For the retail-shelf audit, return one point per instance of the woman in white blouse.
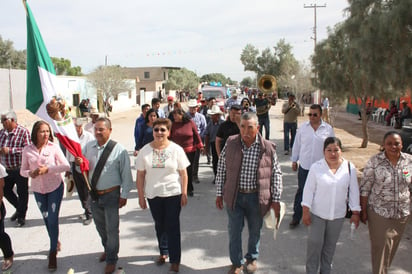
(162, 180)
(330, 182)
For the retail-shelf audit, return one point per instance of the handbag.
(348, 210)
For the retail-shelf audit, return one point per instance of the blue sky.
(203, 36)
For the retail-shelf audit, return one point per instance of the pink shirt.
(50, 156)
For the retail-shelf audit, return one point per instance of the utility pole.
(314, 7)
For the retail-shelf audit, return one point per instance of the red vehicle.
(218, 92)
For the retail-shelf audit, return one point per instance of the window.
(146, 75)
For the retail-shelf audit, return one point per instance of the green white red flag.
(41, 95)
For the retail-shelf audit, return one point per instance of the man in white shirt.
(307, 149)
(78, 178)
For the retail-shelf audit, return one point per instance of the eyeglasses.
(4, 119)
(313, 114)
(161, 129)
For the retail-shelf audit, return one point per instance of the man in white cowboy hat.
(233, 100)
(210, 135)
(94, 115)
(200, 122)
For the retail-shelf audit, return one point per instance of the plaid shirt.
(15, 140)
(248, 172)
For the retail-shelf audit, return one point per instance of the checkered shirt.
(15, 140)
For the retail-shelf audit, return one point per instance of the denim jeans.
(49, 205)
(246, 206)
(20, 200)
(166, 215)
(105, 212)
(289, 128)
(297, 208)
(264, 122)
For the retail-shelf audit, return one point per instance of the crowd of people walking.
(247, 177)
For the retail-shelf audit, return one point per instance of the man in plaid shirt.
(13, 138)
(249, 181)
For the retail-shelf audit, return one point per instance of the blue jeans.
(105, 212)
(246, 206)
(264, 122)
(289, 128)
(297, 208)
(49, 205)
(166, 215)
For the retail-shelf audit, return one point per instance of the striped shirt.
(15, 140)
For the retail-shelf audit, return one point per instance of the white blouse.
(326, 194)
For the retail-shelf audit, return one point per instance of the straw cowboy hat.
(214, 110)
(192, 103)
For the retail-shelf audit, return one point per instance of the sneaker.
(21, 222)
(82, 216)
(286, 152)
(251, 266)
(235, 269)
(293, 224)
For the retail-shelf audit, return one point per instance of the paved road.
(204, 235)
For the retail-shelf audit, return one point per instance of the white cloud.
(203, 36)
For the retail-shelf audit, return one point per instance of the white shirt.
(308, 145)
(3, 172)
(325, 193)
(162, 169)
(89, 127)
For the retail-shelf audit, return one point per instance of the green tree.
(109, 81)
(183, 80)
(64, 67)
(11, 58)
(368, 55)
(248, 82)
(216, 77)
(279, 62)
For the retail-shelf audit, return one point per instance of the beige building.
(150, 79)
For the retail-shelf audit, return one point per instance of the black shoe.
(293, 224)
(190, 193)
(21, 222)
(196, 180)
(14, 217)
(87, 221)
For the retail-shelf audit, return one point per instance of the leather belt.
(105, 191)
(14, 168)
(248, 190)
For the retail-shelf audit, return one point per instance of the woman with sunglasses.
(162, 180)
(184, 133)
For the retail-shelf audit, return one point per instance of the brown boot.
(52, 261)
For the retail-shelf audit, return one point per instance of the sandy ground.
(204, 228)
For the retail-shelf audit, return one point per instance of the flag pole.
(25, 7)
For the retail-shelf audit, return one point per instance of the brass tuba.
(267, 83)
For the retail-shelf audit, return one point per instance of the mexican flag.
(42, 98)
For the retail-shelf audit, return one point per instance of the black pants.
(20, 200)
(189, 170)
(82, 190)
(215, 158)
(5, 242)
(195, 164)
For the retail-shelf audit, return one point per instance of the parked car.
(218, 92)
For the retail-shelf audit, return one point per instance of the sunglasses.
(161, 129)
(313, 114)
